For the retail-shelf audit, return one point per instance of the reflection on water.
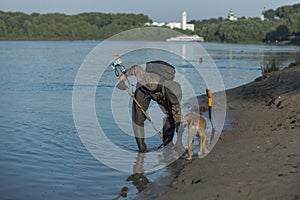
(138, 179)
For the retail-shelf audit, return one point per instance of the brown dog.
(196, 127)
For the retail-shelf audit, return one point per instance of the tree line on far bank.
(57, 26)
(281, 25)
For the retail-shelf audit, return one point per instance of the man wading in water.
(155, 83)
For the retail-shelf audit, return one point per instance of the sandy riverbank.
(260, 158)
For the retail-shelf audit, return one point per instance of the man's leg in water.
(138, 118)
(168, 129)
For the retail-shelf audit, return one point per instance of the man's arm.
(143, 77)
(134, 70)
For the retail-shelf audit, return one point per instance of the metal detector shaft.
(143, 111)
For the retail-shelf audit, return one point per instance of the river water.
(42, 154)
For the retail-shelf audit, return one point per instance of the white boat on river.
(186, 38)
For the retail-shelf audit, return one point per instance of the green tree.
(280, 34)
(293, 23)
(269, 14)
(3, 29)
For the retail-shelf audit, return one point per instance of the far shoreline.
(107, 39)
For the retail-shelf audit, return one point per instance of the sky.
(157, 10)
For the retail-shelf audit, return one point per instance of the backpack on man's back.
(161, 68)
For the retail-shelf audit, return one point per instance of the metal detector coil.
(118, 67)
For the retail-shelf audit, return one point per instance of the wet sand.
(259, 158)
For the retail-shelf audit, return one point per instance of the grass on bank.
(271, 65)
(276, 64)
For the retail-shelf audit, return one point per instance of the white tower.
(262, 17)
(184, 20)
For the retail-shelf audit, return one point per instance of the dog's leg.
(200, 146)
(190, 150)
(200, 135)
(204, 144)
(190, 143)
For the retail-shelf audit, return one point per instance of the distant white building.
(232, 16)
(183, 25)
(173, 25)
(262, 17)
(190, 27)
(158, 24)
